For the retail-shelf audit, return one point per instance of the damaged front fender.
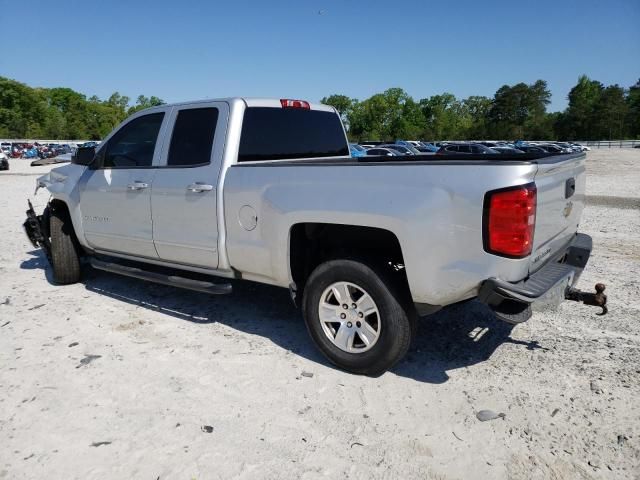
(54, 181)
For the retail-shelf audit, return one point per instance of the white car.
(4, 161)
(583, 147)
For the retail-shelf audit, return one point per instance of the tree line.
(27, 112)
(594, 112)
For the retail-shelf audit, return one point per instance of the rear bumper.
(511, 301)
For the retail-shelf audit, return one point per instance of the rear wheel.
(65, 257)
(356, 316)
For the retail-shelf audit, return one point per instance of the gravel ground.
(117, 378)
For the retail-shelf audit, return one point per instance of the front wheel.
(65, 251)
(356, 317)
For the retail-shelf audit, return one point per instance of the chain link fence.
(610, 143)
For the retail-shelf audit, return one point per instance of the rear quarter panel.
(433, 208)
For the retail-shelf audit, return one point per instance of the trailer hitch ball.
(598, 299)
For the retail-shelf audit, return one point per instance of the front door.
(184, 192)
(115, 195)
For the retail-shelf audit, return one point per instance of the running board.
(172, 280)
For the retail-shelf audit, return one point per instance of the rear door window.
(286, 133)
(192, 138)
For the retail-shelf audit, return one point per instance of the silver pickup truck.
(265, 190)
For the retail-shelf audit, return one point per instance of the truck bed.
(459, 159)
(433, 205)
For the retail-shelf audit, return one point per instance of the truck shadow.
(38, 261)
(456, 337)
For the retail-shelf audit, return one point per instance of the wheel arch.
(311, 243)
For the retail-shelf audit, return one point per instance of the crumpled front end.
(37, 229)
(62, 183)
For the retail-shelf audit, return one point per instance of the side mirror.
(84, 156)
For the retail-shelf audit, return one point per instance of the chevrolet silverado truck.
(265, 190)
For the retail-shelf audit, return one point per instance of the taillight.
(288, 103)
(509, 221)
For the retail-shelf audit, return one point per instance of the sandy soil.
(115, 378)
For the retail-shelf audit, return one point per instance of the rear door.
(184, 193)
(561, 182)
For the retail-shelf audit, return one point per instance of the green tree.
(341, 103)
(143, 102)
(476, 109)
(390, 115)
(633, 106)
(519, 111)
(611, 113)
(443, 117)
(581, 119)
(22, 110)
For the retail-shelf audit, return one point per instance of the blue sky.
(181, 50)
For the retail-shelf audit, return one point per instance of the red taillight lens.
(288, 103)
(510, 218)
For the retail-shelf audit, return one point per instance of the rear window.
(284, 133)
(192, 137)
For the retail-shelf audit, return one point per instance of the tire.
(393, 321)
(65, 258)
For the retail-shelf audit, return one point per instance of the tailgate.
(561, 182)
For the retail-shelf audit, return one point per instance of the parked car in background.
(16, 150)
(582, 148)
(507, 150)
(426, 147)
(64, 148)
(408, 145)
(30, 152)
(566, 147)
(4, 161)
(531, 149)
(554, 148)
(398, 148)
(385, 152)
(465, 148)
(357, 150)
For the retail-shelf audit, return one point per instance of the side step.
(172, 280)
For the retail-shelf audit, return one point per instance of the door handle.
(199, 187)
(137, 186)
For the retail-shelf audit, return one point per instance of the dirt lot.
(115, 378)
